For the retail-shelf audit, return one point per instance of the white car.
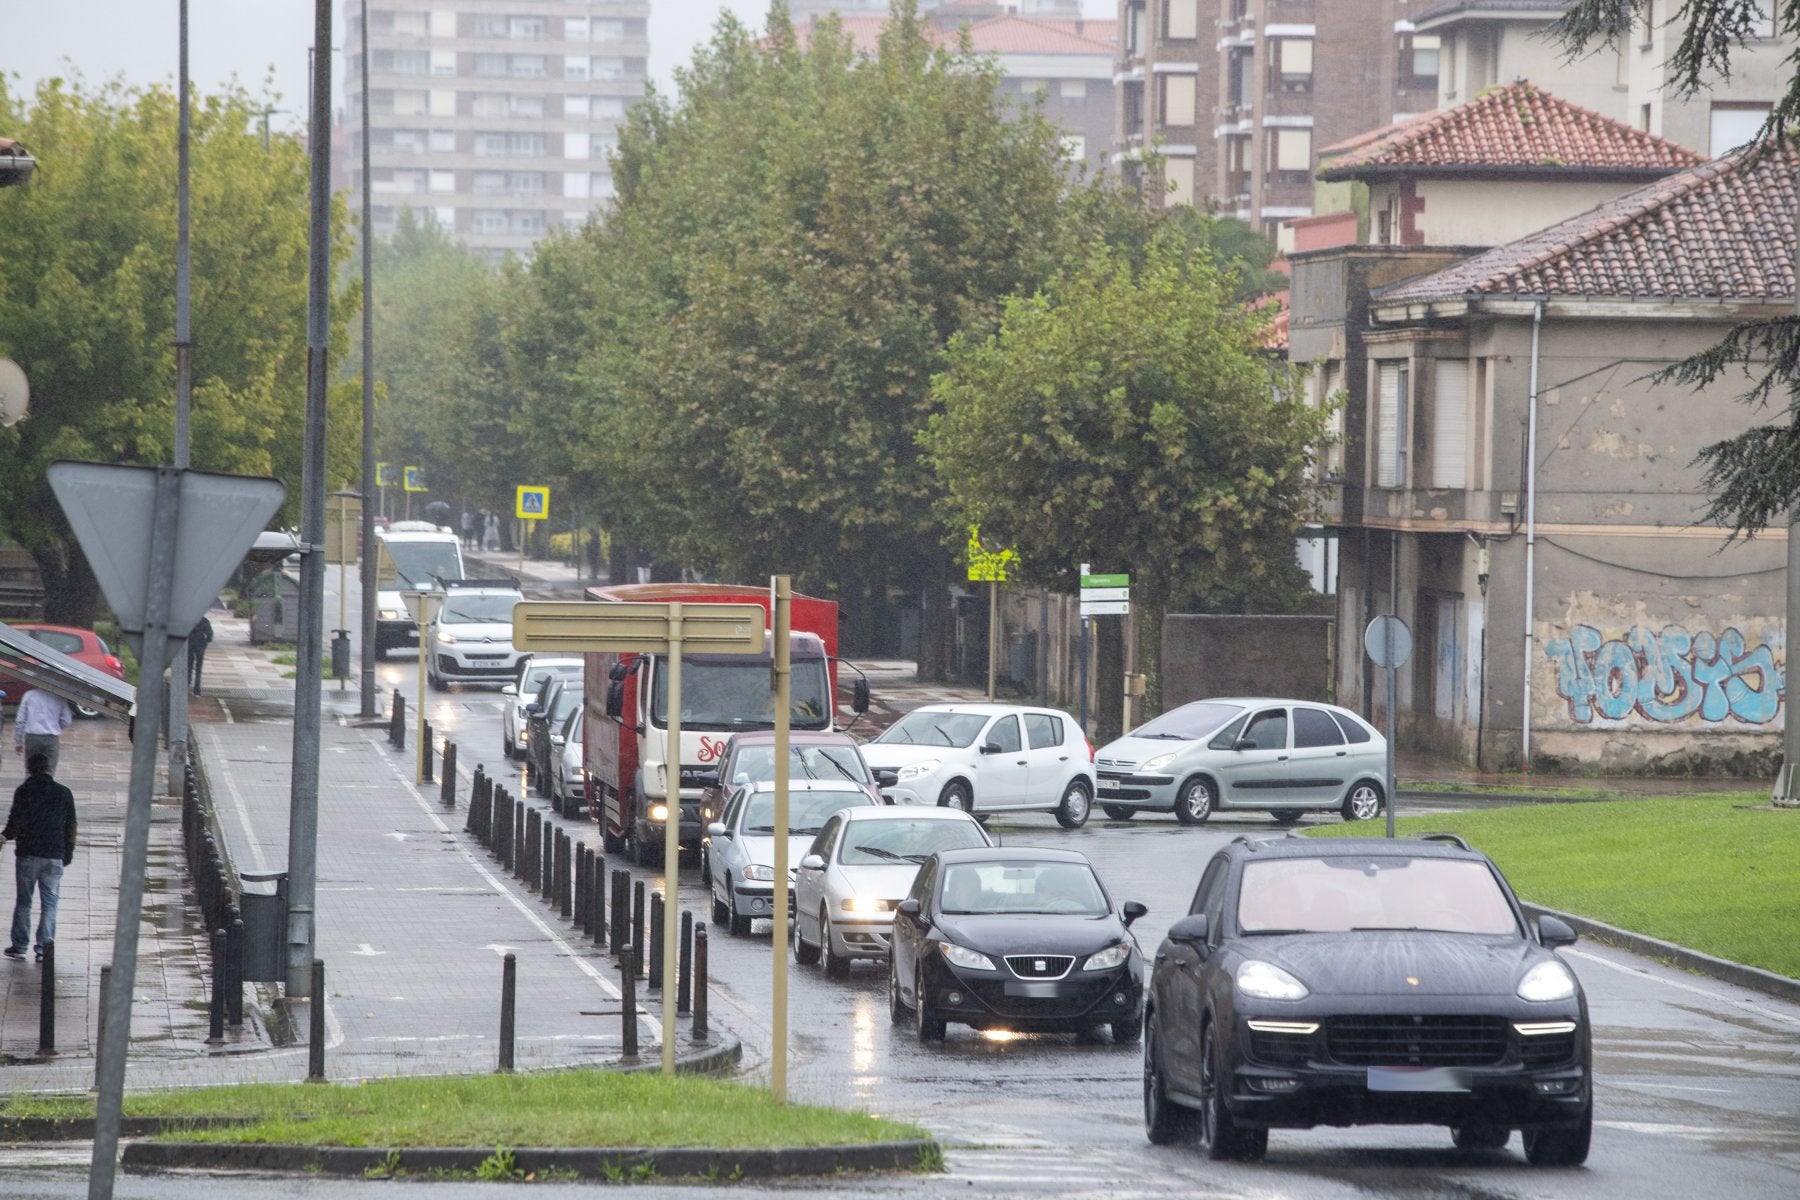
(471, 640)
(740, 845)
(523, 690)
(858, 870)
(985, 758)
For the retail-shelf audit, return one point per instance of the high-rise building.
(495, 116)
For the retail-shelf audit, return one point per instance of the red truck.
(625, 732)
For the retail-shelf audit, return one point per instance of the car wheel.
(1287, 817)
(645, 852)
(1165, 1121)
(1194, 803)
(433, 682)
(836, 965)
(805, 953)
(1363, 803)
(957, 794)
(1218, 1128)
(720, 914)
(1480, 1137)
(1566, 1146)
(86, 713)
(1076, 804)
(611, 842)
(896, 1010)
(926, 1021)
(740, 925)
(1118, 812)
(508, 749)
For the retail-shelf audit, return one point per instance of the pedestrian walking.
(490, 537)
(468, 530)
(42, 823)
(38, 725)
(199, 638)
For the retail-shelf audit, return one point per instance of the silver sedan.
(858, 869)
(740, 846)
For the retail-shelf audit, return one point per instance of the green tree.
(1127, 417)
(87, 303)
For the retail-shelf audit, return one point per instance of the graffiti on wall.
(1666, 675)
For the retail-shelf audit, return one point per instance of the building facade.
(494, 116)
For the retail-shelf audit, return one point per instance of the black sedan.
(1353, 981)
(1014, 939)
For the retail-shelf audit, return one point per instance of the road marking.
(398, 836)
(368, 951)
(1712, 994)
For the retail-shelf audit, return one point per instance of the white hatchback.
(534, 669)
(985, 758)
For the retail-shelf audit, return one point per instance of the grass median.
(560, 1108)
(1718, 873)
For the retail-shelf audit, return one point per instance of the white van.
(413, 555)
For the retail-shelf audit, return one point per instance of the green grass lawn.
(563, 1108)
(1717, 873)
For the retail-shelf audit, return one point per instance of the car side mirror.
(1244, 744)
(812, 862)
(717, 829)
(859, 697)
(1132, 911)
(1554, 932)
(706, 777)
(990, 748)
(1190, 930)
(886, 776)
(615, 699)
(617, 672)
(909, 907)
(557, 739)
(509, 690)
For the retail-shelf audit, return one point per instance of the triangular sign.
(111, 508)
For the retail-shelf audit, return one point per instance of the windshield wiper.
(1275, 932)
(878, 852)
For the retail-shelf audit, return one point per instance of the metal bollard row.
(217, 901)
(447, 793)
(397, 722)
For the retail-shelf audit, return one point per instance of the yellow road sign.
(413, 479)
(985, 565)
(533, 503)
(572, 626)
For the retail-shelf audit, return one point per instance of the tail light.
(1090, 747)
(114, 666)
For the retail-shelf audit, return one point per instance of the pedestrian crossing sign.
(534, 503)
(387, 475)
(413, 479)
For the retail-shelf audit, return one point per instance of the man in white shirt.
(38, 725)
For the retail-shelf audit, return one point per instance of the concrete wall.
(1204, 655)
(1472, 212)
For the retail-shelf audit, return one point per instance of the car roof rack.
(1256, 841)
(504, 581)
(1453, 838)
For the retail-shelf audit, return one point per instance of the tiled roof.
(1720, 231)
(1519, 127)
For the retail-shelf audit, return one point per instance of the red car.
(83, 645)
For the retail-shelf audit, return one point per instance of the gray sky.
(249, 39)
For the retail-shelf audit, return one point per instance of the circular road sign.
(1388, 641)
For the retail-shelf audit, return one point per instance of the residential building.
(496, 116)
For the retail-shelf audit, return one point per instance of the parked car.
(740, 845)
(83, 645)
(563, 697)
(857, 871)
(471, 639)
(986, 758)
(1287, 757)
(749, 757)
(1351, 981)
(1019, 939)
(568, 794)
(534, 670)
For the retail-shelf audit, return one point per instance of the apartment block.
(496, 116)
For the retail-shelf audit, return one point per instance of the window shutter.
(1450, 424)
(1387, 427)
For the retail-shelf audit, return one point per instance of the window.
(409, 141)
(530, 223)
(601, 107)
(1074, 147)
(1181, 19)
(489, 183)
(1390, 425)
(1072, 92)
(1268, 730)
(1355, 732)
(524, 106)
(521, 144)
(1290, 65)
(525, 29)
(443, 181)
(1134, 26)
(411, 24)
(575, 185)
(410, 104)
(527, 66)
(1179, 173)
(443, 141)
(1005, 734)
(489, 104)
(1134, 107)
(1314, 727)
(489, 220)
(575, 68)
(575, 29)
(1178, 99)
(1237, 78)
(1418, 62)
(607, 67)
(1291, 155)
(605, 30)
(410, 62)
(1043, 730)
(489, 25)
(525, 183)
(409, 181)
(1450, 423)
(493, 65)
(443, 63)
(1332, 381)
(1735, 124)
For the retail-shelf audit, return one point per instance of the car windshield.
(1189, 723)
(807, 810)
(733, 692)
(1336, 895)
(566, 702)
(419, 564)
(460, 610)
(757, 763)
(884, 843)
(1023, 888)
(924, 728)
(536, 677)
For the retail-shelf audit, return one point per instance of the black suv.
(1354, 981)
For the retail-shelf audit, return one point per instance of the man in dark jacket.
(199, 638)
(42, 822)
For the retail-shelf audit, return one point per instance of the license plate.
(1418, 1079)
(1109, 785)
(1035, 991)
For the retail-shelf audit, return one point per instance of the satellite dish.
(15, 393)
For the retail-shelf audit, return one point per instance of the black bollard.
(597, 897)
(449, 792)
(534, 855)
(547, 862)
(628, 1000)
(621, 912)
(215, 1029)
(477, 787)
(397, 727)
(518, 848)
(47, 1003)
(565, 844)
(315, 1025)
(234, 959)
(656, 940)
(580, 889)
(637, 920)
(100, 1025)
(509, 982)
(700, 982)
(425, 746)
(684, 962)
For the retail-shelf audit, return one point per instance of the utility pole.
(184, 399)
(366, 573)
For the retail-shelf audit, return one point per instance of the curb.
(1754, 978)
(588, 1163)
(81, 1129)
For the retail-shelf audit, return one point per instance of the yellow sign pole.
(783, 697)
(671, 840)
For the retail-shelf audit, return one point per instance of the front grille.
(1040, 966)
(1280, 1049)
(1547, 1050)
(1113, 764)
(1422, 1040)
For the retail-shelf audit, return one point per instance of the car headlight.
(1157, 763)
(1108, 958)
(758, 871)
(866, 904)
(969, 960)
(1547, 981)
(389, 614)
(524, 734)
(1266, 981)
(446, 638)
(919, 770)
(659, 812)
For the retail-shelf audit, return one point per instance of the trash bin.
(262, 901)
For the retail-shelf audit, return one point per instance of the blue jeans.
(45, 876)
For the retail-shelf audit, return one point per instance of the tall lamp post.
(370, 584)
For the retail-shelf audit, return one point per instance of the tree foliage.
(87, 303)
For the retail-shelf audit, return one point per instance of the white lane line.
(1712, 994)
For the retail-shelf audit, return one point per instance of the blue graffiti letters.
(1666, 676)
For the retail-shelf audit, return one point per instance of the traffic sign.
(387, 475)
(986, 565)
(1091, 595)
(414, 480)
(573, 626)
(1388, 641)
(1105, 608)
(533, 503)
(1105, 581)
